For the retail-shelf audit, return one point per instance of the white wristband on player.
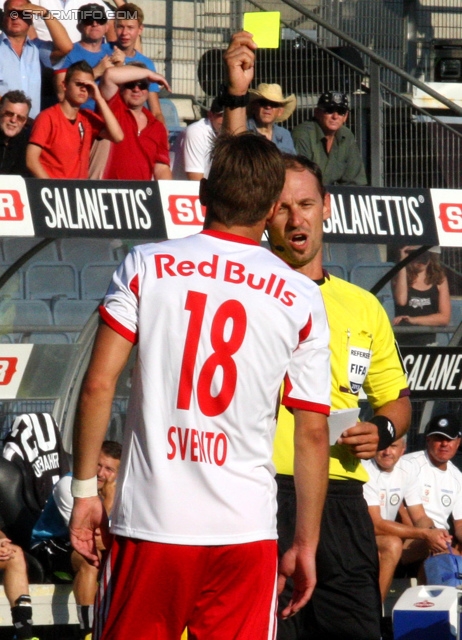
(84, 488)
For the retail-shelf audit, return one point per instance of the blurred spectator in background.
(193, 147)
(68, 12)
(92, 24)
(144, 153)
(20, 57)
(128, 30)
(62, 136)
(326, 141)
(267, 107)
(392, 480)
(16, 585)
(50, 537)
(421, 294)
(14, 134)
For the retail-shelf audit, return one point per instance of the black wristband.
(386, 429)
(230, 101)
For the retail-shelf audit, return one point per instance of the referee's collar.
(321, 281)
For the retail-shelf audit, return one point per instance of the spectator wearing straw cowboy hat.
(268, 106)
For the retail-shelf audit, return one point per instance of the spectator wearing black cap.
(92, 23)
(440, 480)
(329, 143)
(192, 150)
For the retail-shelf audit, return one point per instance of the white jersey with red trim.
(219, 322)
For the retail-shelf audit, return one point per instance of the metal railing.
(402, 144)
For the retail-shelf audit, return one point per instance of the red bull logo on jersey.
(230, 271)
(194, 445)
(11, 206)
(8, 368)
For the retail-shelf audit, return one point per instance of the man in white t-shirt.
(219, 322)
(440, 481)
(193, 147)
(392, 479)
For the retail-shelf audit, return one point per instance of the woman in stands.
(421, 294)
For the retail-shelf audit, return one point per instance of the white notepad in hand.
(339, 421)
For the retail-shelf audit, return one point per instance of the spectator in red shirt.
(144, 152)
(62, 136)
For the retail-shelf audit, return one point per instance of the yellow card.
(265, 27)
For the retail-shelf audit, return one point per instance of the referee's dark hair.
(300, 163)
(246, 178)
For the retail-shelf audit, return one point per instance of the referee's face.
(296, 228)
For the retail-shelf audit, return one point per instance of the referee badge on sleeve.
(359, 360)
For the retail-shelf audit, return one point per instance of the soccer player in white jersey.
(392, 479)
(440, 481)
(219, 322)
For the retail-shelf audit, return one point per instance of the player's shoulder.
(372, 470)
(335, 284)
(455, 471)
(417, 459)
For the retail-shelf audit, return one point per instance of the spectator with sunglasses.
(329, 143)
(129, 28)
(62, 135)
(144, 152)
(267, 107)
(69, 9)
(21, 57)
(92, 25)
(14, 135)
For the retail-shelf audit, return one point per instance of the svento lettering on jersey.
(197, 446)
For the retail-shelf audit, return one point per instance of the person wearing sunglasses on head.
(14, 134)
(268, 106)
(93, 26)
(22, 58)
(144, 152)
(329, 143)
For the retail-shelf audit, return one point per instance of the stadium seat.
(14, 248)
(336, 270)
(73, 313)
(14, 287)
(48, 280)
(456, 311)
(24, 313)
(95, 278)
(368, 273)
(80, 251)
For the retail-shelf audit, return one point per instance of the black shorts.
(346, 602)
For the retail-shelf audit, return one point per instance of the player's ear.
(271, 214)
(203, 192)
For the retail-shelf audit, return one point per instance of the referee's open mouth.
(298, 240)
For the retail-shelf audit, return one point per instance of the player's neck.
(253, 233)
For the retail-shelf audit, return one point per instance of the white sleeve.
(413, 491)
(371, 494)
(120, 307)
(307, 383)
(63, 498)
(197, 147)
